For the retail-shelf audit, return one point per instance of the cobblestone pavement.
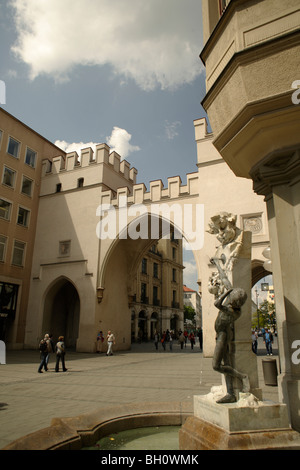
(29, 401)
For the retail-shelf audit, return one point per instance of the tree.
(189, 314)
(266, 316)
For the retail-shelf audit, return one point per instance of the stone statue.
(229, 300)
(224, 227)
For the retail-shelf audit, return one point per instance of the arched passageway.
(62, 311)
(145, 302)
(258, 271)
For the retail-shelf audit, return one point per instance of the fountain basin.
(154, 438)
(85, 430)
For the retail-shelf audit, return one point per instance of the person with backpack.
(60, 354)
(43, 347)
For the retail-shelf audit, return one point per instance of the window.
(65, 248)
(5, 209)
(23, 217)
(80, 182)
(58, 188)
(0, 136)
(155, 295)
(27, 185)
(144, 266)
(3, 241)
(13, 147)
(8, 300)
(174, 303)
(174, 275)
(9, 177)
(144, 293)
(30, 157)
(18, 253)
(155, 270)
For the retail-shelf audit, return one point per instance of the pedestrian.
(268, 340)
(51, 348)
(181, 340)
(100, 339)
(156, 339)
(60, 354)
(43, 347)
(200, 336)
(110, 341)
(254, 341)
(171, 340)
(192, 339)
(163, 340)
(185, 334)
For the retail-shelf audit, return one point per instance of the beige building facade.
(251, 55)
(21, 153)
(191, 298)
(88, 258)
(157, 304)
(95, 227)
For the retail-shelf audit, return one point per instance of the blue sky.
(124, 72)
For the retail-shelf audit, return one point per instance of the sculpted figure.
(229, 235)
(229, 304)
(229, 300)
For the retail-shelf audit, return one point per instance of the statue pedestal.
(244, 425)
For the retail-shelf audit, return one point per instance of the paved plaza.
(29, 401)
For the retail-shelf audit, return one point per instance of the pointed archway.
(62, 311)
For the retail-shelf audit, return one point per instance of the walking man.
(60, 354)
(110, 341)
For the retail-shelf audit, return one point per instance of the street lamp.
(268, 263)
(256, 292)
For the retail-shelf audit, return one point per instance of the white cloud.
(118, 141)
(171, 129)
(156, 43)
(75, 146)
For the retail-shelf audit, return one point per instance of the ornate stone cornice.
(280, 167)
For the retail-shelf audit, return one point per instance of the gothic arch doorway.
(62, 311)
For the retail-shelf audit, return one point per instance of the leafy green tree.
(265, 315)
(189, 314)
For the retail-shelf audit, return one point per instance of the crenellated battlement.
(157, 192)
(91, 167)
(116, 178)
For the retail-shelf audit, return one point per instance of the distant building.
(271, 295)
(191, 298)
(158, 300)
